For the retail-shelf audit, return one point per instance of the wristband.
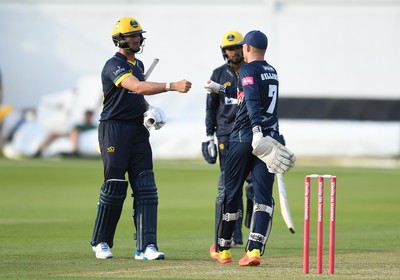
(168, 86)
(256, 129)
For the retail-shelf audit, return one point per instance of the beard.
(236, 60)
(133, 50)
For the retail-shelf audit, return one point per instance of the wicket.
(320, 220)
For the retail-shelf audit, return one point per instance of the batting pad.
(145, 210)
(112, 196)
(260, 227)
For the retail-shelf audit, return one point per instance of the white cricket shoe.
(102, 251)
(150, 253)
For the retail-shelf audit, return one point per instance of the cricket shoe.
(251, 258)
(102, 251)
(223, 256)
(149, 254)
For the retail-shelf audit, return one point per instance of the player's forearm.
(142, 87)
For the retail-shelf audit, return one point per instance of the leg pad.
(145, 210)
(112, 196)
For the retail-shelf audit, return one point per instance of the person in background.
(73, 134)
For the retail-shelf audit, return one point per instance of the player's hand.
(154, 117)
(182, 86)
(277, 157)
(209, 150)
(213, 87)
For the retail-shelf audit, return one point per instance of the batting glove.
(154, 117)
(213, 87)
(209, 150)
(277, 157)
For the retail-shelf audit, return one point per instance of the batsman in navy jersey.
(125, 147)
(256, 128)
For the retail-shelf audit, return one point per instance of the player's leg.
(223, 145)
(218, 210)
(236, 170)
(112, 196)
(113, 190)
(237, 236)
(263, 210)
(249, 202)
(145, 216)
(145, 203)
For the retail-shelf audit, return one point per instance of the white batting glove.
(213, 87)
(277, 157)
(154, 117)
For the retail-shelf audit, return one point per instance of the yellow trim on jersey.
(132, 62)
(118, 82)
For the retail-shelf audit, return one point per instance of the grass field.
(48, 207)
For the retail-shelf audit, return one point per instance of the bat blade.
(285, 211)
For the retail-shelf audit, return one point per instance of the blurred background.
(337, 62)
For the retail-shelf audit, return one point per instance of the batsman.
(125, 147)
(253, 147)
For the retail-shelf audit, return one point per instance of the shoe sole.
(251, 262)
(108, 257)
(161, 257)
(223, 261)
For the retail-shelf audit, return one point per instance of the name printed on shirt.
(269, 76)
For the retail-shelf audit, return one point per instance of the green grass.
(48, 207)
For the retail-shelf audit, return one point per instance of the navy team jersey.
(257, 100)
(120, 103)
(221, 109)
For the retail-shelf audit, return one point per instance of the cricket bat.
(285, 211)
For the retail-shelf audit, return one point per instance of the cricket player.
(253, 147)
(220, 116)
(125, 147)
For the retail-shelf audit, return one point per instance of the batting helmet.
(230, 39)
(126, 27)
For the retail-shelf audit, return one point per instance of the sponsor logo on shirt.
(119, 70)
(247, 81)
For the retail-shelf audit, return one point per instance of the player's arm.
(131, 83)
(212, 103)
(213, 87)
(208, 146)
(277, 157)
